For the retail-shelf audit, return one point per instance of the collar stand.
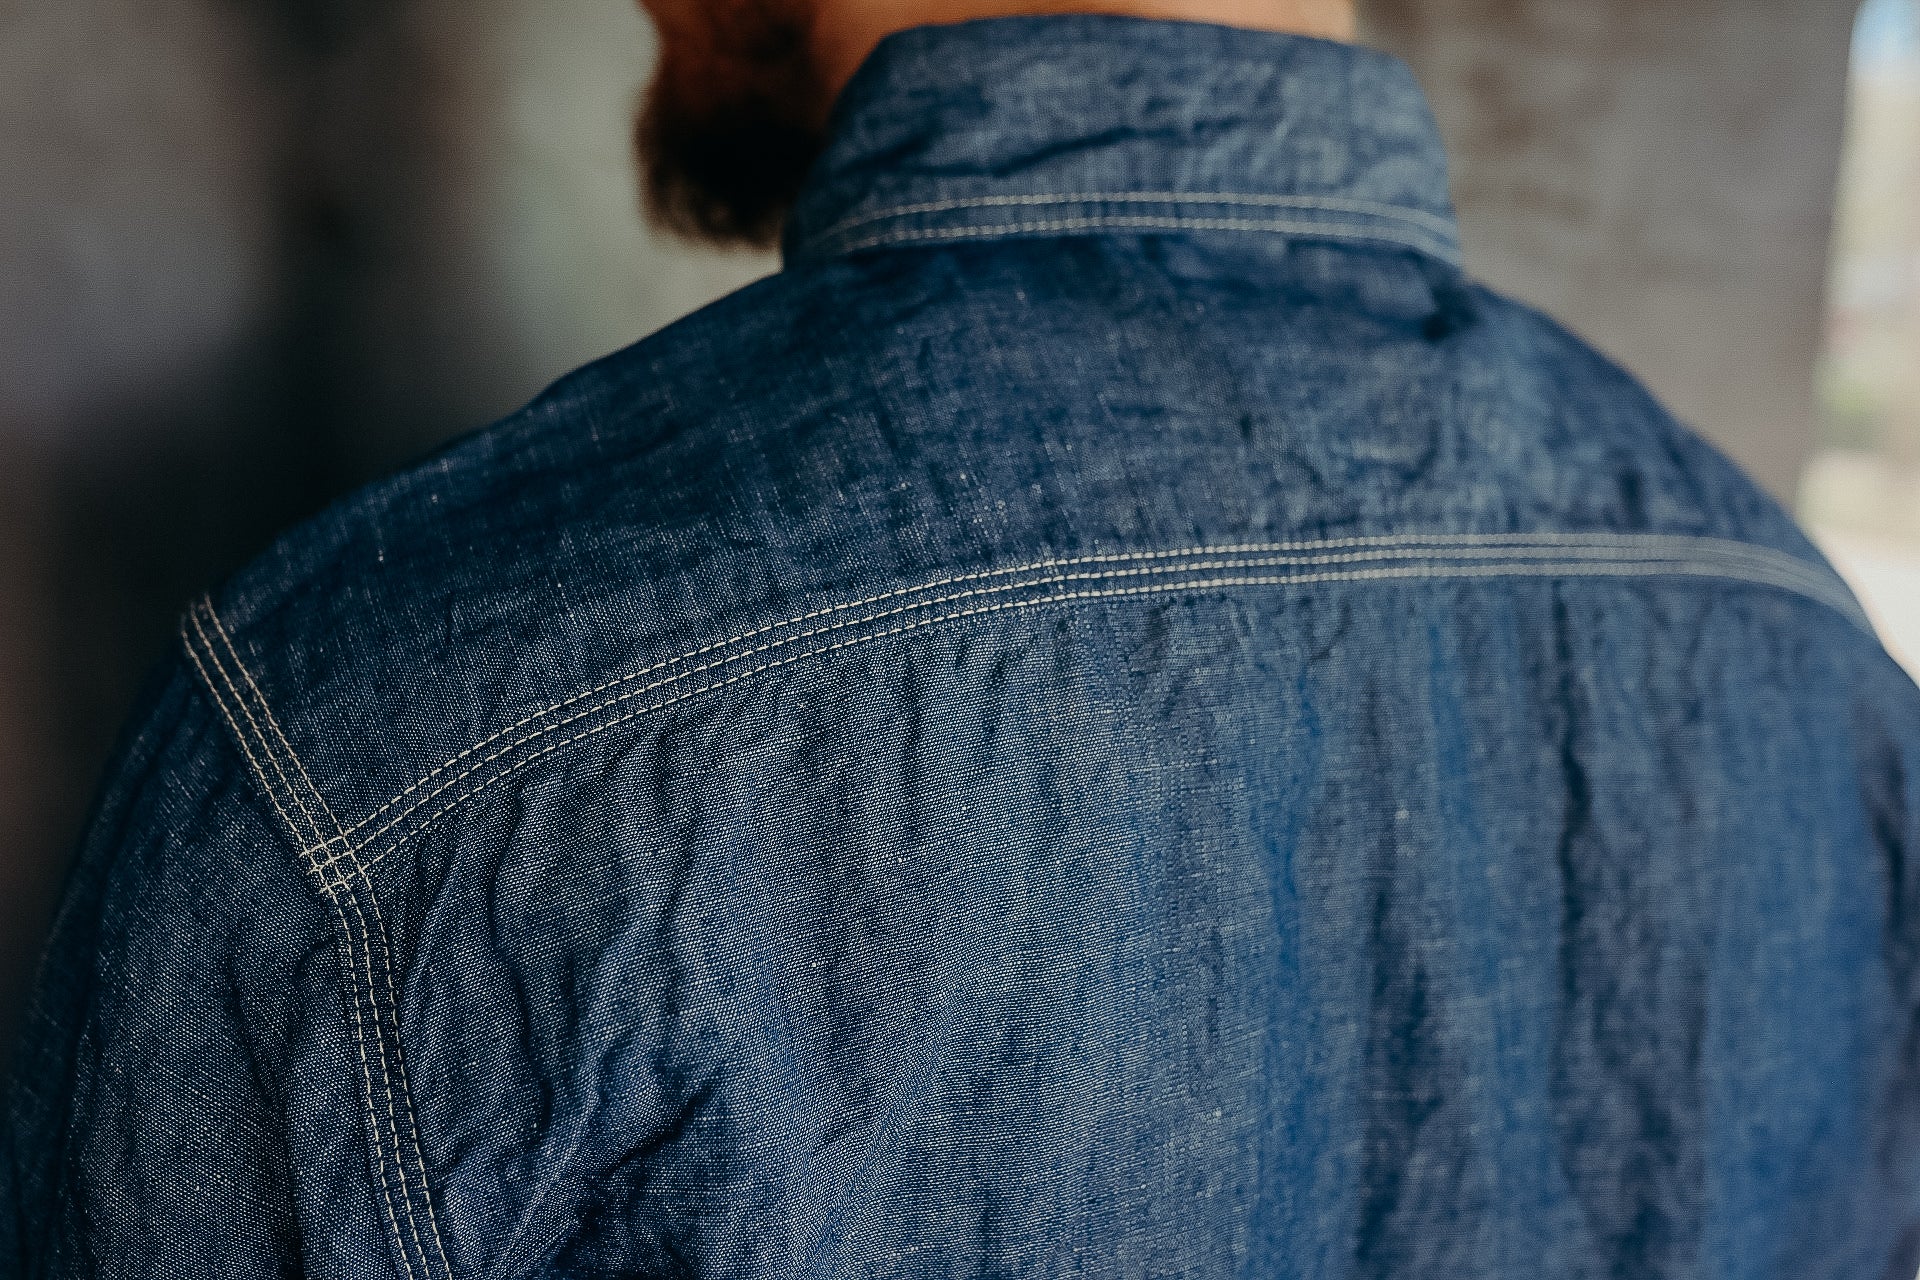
(1089, 124)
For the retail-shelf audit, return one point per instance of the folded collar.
(1091, 124)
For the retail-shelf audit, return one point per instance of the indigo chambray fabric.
(1116, 718)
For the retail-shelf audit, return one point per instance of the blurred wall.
(252, 254)
(1659, 174)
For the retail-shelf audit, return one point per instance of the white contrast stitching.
(246, 743)
(1763, 559)
(266, 708)
(1768, 561)
(1574, 543)
(366, 1068)
(1763, 565)
(1699, 568)
(1126, 222)
(266, 747)
(398, 1065)
(1538, 556)
(246, 749)
(1546, 555)
(364, 942)
(1446, 227)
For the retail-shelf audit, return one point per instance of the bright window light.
(1862, 491)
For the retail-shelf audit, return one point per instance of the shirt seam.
(344, 876)
(369, 1002)
(1425, 558)
(1409, 239)
(1321, 551)
(1445, 227)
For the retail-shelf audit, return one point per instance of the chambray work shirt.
(1118, 717)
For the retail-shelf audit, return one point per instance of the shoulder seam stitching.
(1502, 556)
(1467, 545)
(1192, 569)
(386, 948)
(247, 742)
(357, 944)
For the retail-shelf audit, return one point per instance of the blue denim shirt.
(1118, 717)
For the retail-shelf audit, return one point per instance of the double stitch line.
(1136, 222)
(392, 1011)
(359, 943)
(1696, 558)
(1433, 222)
(1818, 585)
(1428, 232)
(1440, 556)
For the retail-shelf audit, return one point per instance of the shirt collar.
(1088, 124)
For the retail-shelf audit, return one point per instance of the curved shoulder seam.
(350, 852)
(369, 992)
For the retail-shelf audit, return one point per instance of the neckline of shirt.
(1091, 124)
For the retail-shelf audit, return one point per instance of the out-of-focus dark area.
(253, 254)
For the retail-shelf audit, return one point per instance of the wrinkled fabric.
(1118, 717)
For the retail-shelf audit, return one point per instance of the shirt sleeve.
(147, 1110)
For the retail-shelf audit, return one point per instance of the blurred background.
(256, 252)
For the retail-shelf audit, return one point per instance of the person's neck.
(846, 31)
